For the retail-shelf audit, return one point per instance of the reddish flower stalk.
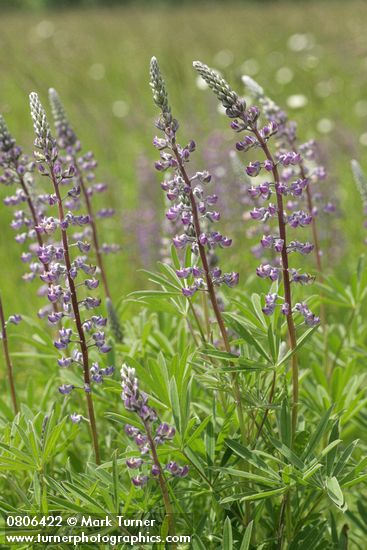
(286, 278)
(8, 361)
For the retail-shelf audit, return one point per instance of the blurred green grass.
(98, 61)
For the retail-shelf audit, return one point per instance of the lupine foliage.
(238, 414)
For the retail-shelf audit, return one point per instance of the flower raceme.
(193, 208)
(85, 188)
(279, 183)
(148, 439)
(306, 173)
(283, 183)
(191, 205)
(79, 335)
(18, 171)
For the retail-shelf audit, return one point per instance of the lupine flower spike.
(247, 120)
(192, 206)
(147, 465)
(84, 185)
(15, 320)
(287, 136)
(63, 270)
(18, 171)
(305, 175)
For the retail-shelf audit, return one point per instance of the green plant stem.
(78, 322)
(197, 321)
(270, 400)
(206, 315)
(211, 291)
(9, 364)
(286, 280)
(162, 482)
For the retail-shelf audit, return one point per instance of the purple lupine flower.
(140, 481)
(76, 418)
(190, 204)
(81, 169)
(147, 439)
(176, 470)
(282, 165)
(134, 463)
(65, 389)
(300, 160)
(15, 319)
(130, 430)
(59, 267)
(310, 318)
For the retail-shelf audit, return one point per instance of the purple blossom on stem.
(82, 168)
(248, 121)
(137, 401)
(192, 207)
(18, 171)
(62, 273)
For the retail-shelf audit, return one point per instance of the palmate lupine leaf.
(285, 451)
(256, 478)
(310, 536)
(188, 440)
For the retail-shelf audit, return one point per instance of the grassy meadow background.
(98, 61)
